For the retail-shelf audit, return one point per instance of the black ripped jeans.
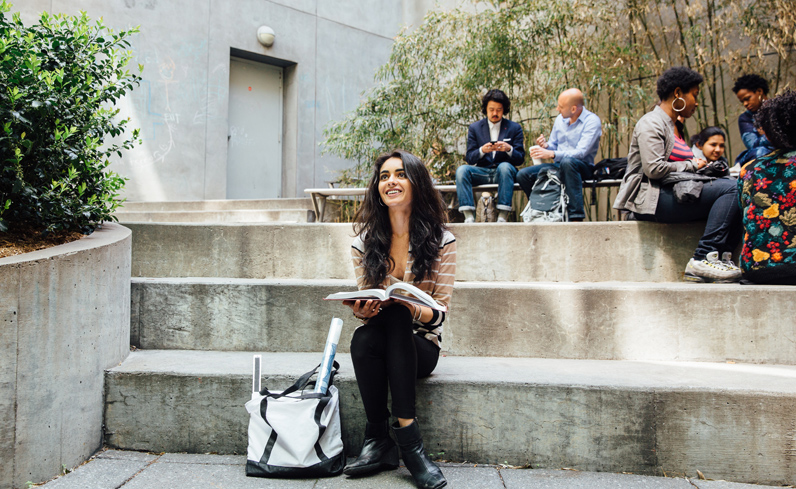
(388, 355)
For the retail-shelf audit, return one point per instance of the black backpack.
(610, 169)
(607, 169)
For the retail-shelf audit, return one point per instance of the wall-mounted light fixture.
(266, 36)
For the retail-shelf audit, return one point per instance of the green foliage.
(59, 81)
(429, 91)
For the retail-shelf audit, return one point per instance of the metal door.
(254, 140)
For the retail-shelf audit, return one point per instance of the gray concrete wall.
(181, 106)
(566, 252)
(64, 319)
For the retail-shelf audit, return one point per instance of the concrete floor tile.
(198, 476)
(571, 479)
(459, 477)
(700, 484)
(126, 455)
(137, 470)
(205, 459)
(99, 473)
(469, 477)
(388, 479)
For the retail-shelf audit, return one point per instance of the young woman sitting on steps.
(400, 236)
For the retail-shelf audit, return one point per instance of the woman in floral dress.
(767, 188)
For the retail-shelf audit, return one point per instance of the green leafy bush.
(59, 82)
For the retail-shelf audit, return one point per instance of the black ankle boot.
(426, 473)
(378, 452)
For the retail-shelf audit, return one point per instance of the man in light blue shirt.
(572, 146)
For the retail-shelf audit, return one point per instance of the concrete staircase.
(580, 348)
(219, 211)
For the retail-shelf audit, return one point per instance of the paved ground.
(113, 469)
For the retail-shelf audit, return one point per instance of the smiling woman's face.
(395, 188)
(713, 148)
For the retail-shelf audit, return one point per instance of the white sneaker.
(711, 269)
(726, 258)
(469, 220)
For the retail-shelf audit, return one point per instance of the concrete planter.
(64, 319)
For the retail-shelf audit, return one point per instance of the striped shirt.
(438, 283)
(681, 151)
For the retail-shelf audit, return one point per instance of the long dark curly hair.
(777, 117)
(426, 224)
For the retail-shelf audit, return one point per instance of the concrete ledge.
(565, 252)
(731, 421)
(603, 321)
(218, 205)
(218, 216)
(64, 319)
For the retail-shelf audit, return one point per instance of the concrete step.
(218, 205)
(218, 216)
(601, 321)
(565, 252)
(732, 421)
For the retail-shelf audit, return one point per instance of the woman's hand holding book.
(366, 309)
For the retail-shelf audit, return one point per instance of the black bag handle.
(302, 383)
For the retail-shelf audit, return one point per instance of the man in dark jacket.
(494, 151)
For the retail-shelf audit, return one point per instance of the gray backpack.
(548, 199)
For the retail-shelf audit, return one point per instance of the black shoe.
(426, 473)
(379, 452)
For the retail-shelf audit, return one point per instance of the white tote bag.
(295, 433)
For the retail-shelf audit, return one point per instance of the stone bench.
(218, 211)
(319, 195)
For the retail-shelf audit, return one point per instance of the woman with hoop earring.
(658, 148)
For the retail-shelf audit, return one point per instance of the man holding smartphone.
(494, 151)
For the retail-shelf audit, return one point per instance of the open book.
(394, 291)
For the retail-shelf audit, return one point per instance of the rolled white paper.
(328, 355)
